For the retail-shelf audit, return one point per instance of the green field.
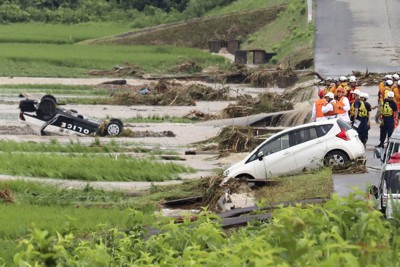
(58, 33)
(73, 60)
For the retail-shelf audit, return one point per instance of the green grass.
(73, 147)
(316, 184)
(246, 5)
(81, 210)
(54, 89)
(88, 167)
(290, 36)
(58, 33)
(50, 60)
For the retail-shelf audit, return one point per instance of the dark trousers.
(386, 128)
(363, 129)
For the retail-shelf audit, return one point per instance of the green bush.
(342, 232)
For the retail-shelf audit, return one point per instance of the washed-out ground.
(186, 135)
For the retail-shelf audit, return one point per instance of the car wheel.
(46, 109)
(114, 128)
(118, 121)
(244, 177)
(49, 96)
(336, 158)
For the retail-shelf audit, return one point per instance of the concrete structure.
(258, 56)
(231, 45)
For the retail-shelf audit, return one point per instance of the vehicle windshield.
(392, 179)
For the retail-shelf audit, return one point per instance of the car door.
(277, 158)
(308, 148)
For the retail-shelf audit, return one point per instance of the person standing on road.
(343, 84)
(317, 114)
(328, 85)
(364, 98)
(335, 85)
(389, 116)
(330, 108)
(359, 115)
(343, 105)
(352, 86)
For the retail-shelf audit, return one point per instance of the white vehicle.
(307, 146)
(388, 193)
(392, 147)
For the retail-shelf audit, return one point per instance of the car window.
(303, 135)
(343, 125)
(393, 147)
(276, 145)
(392, 179)
(323, 129)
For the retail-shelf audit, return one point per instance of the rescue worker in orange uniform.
(343, 105)
(396, 91)
(381, 88)
(328, 84)
(343, 84)
(396, 79)
(330, 109)
(352, 86)
(334, 86)
(316, 114)
(388, 88)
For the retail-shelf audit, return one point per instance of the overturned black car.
(48, 117)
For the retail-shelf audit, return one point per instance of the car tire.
(46, 109)
(114, 128)
(49, 96)
(336, 158)
(244, 177)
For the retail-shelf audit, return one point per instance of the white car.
(388, 193)
(307, 146)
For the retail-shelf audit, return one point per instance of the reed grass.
(88, 167)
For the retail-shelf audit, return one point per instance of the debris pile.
(187, 67)
(196, 115)
(140, 134)
(126, 70)
(236, 139)
(6, 195)
(264, 103)
(266, 77)
(170, 93)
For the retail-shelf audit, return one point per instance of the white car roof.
(324, 122)
(392, 166)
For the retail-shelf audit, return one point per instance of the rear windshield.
(343, 125)
(392, 179)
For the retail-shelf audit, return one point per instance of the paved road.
(355, 34)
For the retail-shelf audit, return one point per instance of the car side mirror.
(373, 190)
(260, 155)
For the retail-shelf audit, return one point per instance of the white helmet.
(330, 95)
(343, 78)
(336, 79)
(356, 92)
(396, 76)
(352, 79)
(388, 77)
(390, 94)
(365, 95)
(389, 82)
